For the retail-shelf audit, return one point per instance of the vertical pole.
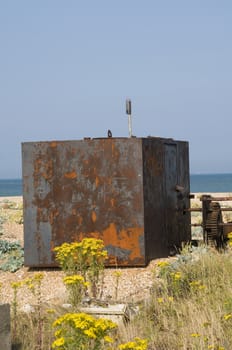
(130, 125)
(128, 112)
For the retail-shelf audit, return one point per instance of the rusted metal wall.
(117, 189)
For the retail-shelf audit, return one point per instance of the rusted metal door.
(170, 180)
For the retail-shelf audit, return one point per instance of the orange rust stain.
(53, 144)
(97, 181)
(48, 173)
(94, 216)
(71, 175)
(52, 246)
(80, 220)
(126, 239)
(52, 216)
(112, 202)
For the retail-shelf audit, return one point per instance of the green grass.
(191, 304)
(190, 307)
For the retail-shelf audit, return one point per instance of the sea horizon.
(199, 183)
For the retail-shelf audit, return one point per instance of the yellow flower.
(74, 279)
(16, 285)
(117, 273)
(50, 311)
(195, 335)
(177, 276)
(90, 333)
(163, 263)
(137, 344)
(160, 300)
(195, 283)
(58, 342)
(108, 339)
(31, 286)
(58, 333)
(202, 287)
(38, 277)
(227, 317)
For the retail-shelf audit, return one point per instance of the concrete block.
(118, 313)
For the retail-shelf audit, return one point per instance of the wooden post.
(5, 339)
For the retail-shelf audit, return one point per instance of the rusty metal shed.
(129, 192)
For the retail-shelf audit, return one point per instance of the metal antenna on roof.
(128, 112)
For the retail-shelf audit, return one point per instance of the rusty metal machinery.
(214, 229)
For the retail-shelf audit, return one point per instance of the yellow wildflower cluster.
(33, 281)
(29, 282)
(209, 346)
(137, 344)
(163, 264)
(86, 257)
(229, 236)
(195, 335)
(75, 279)
(16, 285)
(163, 300)
(78, 255)
(81, 329)
(197, 285)
(176, 275)
(50, 311)
(76, 286)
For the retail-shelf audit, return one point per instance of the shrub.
(82, 329)
(85, 258)
(11, 256)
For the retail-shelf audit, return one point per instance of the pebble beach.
(134, 283)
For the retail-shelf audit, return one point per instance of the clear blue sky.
(66, 68)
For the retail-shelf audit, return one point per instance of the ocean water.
(205, 183)
(10, 187)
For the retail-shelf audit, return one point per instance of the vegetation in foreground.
(190, 307)
(190, 304)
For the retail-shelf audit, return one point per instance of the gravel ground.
(134, 283)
